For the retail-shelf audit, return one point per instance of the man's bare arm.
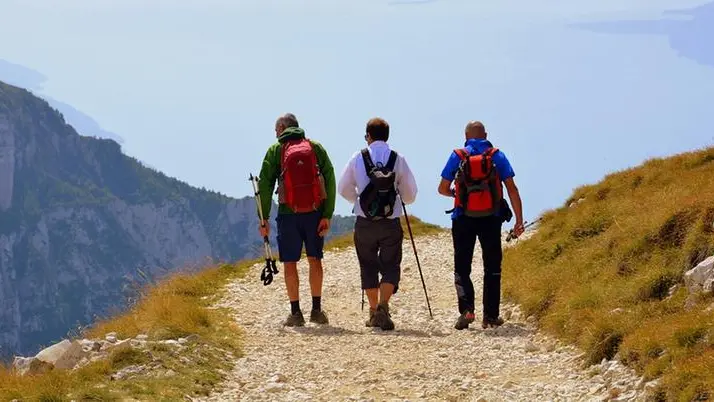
(445, 188)
(515, 198)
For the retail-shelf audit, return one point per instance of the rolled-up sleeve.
(347, 185)
(452, 164)
(407, 185)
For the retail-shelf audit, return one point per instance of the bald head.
(285, 121)
(475, 130)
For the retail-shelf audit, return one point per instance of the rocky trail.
(422, 359)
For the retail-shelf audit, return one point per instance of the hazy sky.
(569, 91)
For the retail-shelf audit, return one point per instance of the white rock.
(171, 342)
(63, 355)
(700, 276)
(30, 365)
(273, 387)
(277, 378)
(651, 386)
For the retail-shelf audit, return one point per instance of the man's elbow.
(444, 190)
(345, 194)
(410, 198)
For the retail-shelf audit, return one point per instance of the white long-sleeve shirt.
(354, 178)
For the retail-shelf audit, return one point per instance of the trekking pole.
(270, 268)
(411, 236)
(511, 235)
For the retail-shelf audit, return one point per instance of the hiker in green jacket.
(306, 199)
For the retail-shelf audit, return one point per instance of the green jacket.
(270, 171)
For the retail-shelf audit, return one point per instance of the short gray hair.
(287, 120)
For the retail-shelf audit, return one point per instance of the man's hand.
(518, 229)
(515, 197)
(264, 229)
(323, 227)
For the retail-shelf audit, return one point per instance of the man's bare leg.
(292, 285)
(292, 282)
(373, 297)
(315, 276)
(386, 290)
(316, 315)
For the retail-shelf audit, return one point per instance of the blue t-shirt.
(477, 146)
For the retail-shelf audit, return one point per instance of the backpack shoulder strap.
(462, 153)
(283, 147)
(368, 164)
(392, 160)
(487, 160)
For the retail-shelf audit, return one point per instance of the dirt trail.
(422, 359)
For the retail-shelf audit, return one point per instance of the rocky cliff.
(81, 224)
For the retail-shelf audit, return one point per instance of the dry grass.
(178, 306)
(599, 274)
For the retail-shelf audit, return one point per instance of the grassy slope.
(599, 274)
(178, 306)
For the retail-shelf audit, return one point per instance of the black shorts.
(296, 229)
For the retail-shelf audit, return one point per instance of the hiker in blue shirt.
(479, 215)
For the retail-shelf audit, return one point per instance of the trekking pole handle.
(525, 226)
(256, 192)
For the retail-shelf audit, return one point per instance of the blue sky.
(570, 92)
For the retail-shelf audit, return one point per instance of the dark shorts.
(379, 251)
(296, 229)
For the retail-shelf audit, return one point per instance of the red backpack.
(300, 185)
(478, 188)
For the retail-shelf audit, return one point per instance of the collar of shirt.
(478, 145)
(378, 145)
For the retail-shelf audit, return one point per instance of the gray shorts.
(379, 251)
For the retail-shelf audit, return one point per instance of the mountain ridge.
(81, 223)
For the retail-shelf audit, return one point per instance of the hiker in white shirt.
(378, 232)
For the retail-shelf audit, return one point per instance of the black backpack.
(378, 198)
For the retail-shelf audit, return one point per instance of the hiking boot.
(382, 318)
(464, 320)
(492, 322)
(318, 317)
(295, 320)
(371, 321)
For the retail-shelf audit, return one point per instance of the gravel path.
(422, 359)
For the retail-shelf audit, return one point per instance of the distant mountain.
(21, 76)
(81, 223)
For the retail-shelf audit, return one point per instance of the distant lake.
(690, 31)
